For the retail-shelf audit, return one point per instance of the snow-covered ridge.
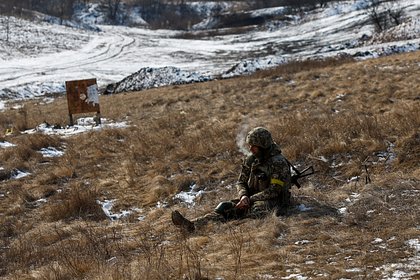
(148, 77)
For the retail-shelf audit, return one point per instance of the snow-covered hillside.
(38, 58)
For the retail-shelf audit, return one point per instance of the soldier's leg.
(182, 222)
(191, 225)
(210, 217)
(260, 209)
(223, 212)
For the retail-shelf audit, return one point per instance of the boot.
(181, 222)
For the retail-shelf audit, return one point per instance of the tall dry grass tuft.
(85, 250)
(5, 173)
(406, 119)
(152, 255)
(71, 261)
(236, 245)
(408, 149)
(22, 253)
(78, 202)
(189, 259)
(18, 120)
(20, 157)
(34, 247)
(160, 189)
(57, 177)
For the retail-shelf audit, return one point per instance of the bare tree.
(144, 4)
(395, 11)
(34, 4)
(385, 13)
(377, 15)
(64, 9)
(113, 8)
(7, 10)
(151, 10)
(261, 4)
(7, 28)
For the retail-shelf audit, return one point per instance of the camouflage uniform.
(265, 179)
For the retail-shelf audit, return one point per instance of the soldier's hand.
(244, 203)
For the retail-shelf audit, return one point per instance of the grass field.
(356, 122)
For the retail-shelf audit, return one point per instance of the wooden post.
(71, 119)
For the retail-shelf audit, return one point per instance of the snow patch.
(303, 208)
(6, 144)
(189, 197)
(415, 244)
(377, 241)
(269, 11)
(2, 105)
(18, 174)
(349, 201)
(302, 242)
(51, 152)
(107, 206)
(295, 276)
(342, 210)
(354, 178)
(83, 125)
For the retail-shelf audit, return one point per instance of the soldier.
(263, 185)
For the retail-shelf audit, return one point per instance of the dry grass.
(348, 119)
(79, 202)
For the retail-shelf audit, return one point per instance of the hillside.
(356, 122)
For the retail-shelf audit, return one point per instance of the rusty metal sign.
(82, 97)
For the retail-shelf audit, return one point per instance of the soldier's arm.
(242, 184)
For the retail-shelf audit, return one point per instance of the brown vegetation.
(355, 122)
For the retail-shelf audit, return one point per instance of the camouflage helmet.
(260, 137)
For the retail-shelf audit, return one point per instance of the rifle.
(300, 174)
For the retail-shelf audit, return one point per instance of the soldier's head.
(260, 138)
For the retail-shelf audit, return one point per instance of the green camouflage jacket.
(264, 179)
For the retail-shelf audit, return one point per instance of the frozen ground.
(39, 57)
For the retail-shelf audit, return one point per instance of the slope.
(356, 218)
